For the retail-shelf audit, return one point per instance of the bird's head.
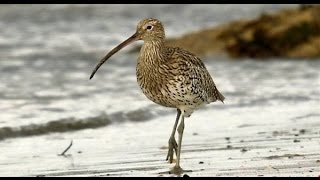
(148, 30)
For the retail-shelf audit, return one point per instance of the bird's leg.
(172, 142)
(180, 131)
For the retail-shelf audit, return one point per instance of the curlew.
(171, 77)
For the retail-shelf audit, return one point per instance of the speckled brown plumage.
(178, 80)
(169, 76)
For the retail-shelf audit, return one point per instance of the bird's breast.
(167, 89)
(152, 84)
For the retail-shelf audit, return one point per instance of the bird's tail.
(220, 97)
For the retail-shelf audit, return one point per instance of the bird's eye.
(149, 27)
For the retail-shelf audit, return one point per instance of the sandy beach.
(238, 142)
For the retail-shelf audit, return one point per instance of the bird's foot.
(173, 146)
(177, 170)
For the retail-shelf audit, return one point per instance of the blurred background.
(47, 53)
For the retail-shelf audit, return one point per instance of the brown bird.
(169, 76)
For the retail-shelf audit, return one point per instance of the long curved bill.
(131, 39)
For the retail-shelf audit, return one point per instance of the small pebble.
(302, 131)
(296, 140)
(244, 150)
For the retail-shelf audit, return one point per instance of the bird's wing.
(192, 71)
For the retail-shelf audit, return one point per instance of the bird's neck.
(152, 52)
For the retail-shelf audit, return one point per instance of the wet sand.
(218, 141)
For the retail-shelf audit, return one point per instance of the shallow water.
(49, 51)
